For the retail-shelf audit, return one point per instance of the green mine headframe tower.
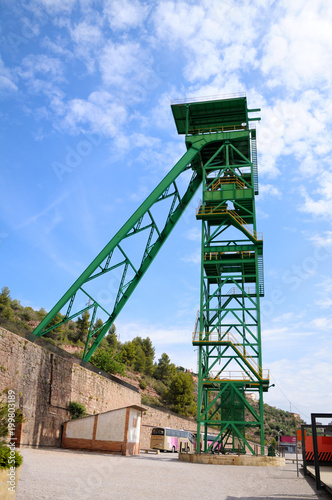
(221, 154)
(228, 330)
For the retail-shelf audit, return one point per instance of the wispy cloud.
(268, 190)
(126, 14)
(7, 82)
(99, 112)
(297, 50)
(193, 258)
(55, 217)
(41, 64)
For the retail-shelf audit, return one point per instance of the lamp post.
(279, 432)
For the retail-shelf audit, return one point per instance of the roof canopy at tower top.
(226, 114)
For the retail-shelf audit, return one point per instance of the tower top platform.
(198, 116)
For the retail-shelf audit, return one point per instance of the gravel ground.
(63, 475)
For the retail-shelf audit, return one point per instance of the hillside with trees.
(160, 382)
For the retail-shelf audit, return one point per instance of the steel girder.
(221, 151)
(114, 258)
(228, 330)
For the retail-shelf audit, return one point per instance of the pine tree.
(5, 298)
(112, 338)
(180, 395)
(164, 370)
(83, 325)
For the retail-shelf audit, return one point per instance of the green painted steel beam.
(195, 117)
(102, 264)
(231, 281)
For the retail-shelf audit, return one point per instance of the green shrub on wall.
(76, 410)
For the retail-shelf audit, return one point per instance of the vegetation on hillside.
(275, 421)
(170, 385)
(160, 382)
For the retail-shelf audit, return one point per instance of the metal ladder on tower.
(260, 275)
(254, 161)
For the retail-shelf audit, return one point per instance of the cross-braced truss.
(221, 152)
(228, 332)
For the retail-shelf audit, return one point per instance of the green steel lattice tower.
(228, 330)
(221, 154)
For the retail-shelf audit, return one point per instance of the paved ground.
(325, 475)
(64, 475)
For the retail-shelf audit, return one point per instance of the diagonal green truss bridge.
(222, 157)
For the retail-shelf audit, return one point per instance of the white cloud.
(194, 234)
(58, 47)
(319, 203)
(206, 31)
(100, 112)
(6, 78)
(288, 335)
(177, 22)
(322, 240)
(41, 65)
(322, 323)
(268, 190)
(126, 66)
(52, 6)
(303, 383)
(325, 286)
(125, 14)
(161, 157)
(88, 39)
(85, 33)
(194, 258)
(298, 48)
(298, 128)
(324, 289)
(161, 114)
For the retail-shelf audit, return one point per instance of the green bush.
(50, 340)
(159, 387)
(108, 360)
(142, 384)
(149, 400)
(76, 410)
(8, 459)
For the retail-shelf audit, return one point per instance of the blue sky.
(87, 133)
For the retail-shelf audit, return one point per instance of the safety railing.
(215, 376)
(215, 337)
(217, 255)
(207, 98)
(214, 130)
(246, 227)
(241, 349)
(227, 180)
(250, 290)
(208, 210)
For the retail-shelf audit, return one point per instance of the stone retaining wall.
(154, 417)
(45, 382)
(46, 378)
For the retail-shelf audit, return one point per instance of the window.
(158, 432)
